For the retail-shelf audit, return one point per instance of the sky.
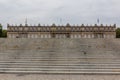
(59, 12)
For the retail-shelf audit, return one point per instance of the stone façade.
(68, 31)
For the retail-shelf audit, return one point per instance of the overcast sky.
(59, 11)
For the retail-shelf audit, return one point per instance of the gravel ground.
(57, 77)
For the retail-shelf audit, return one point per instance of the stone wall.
(91, 46)
(57, 77)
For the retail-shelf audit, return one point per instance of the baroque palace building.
(68, 31)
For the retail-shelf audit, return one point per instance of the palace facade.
(68, 31)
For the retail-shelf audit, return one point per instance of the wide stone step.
(57, 63)
(17, 59)
(60, 66)
(58, 57)
(63, 61)
(63, 67)
(61, 71)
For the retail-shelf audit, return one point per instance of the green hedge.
(118, 33)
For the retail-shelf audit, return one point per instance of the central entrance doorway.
(60, 35)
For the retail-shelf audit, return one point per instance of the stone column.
(104, 35)
(84, 35)
(28, 35)
(75, 36)
(57, 36)
(88, 35)
(78, 35)
(13, 36)
(49, 36)
(36, 36)
(71, 36)
(9, 36)
(64, 36)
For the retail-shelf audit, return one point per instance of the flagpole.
(26, 21)
(98, 21)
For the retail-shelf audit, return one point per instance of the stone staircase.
(60, 56)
